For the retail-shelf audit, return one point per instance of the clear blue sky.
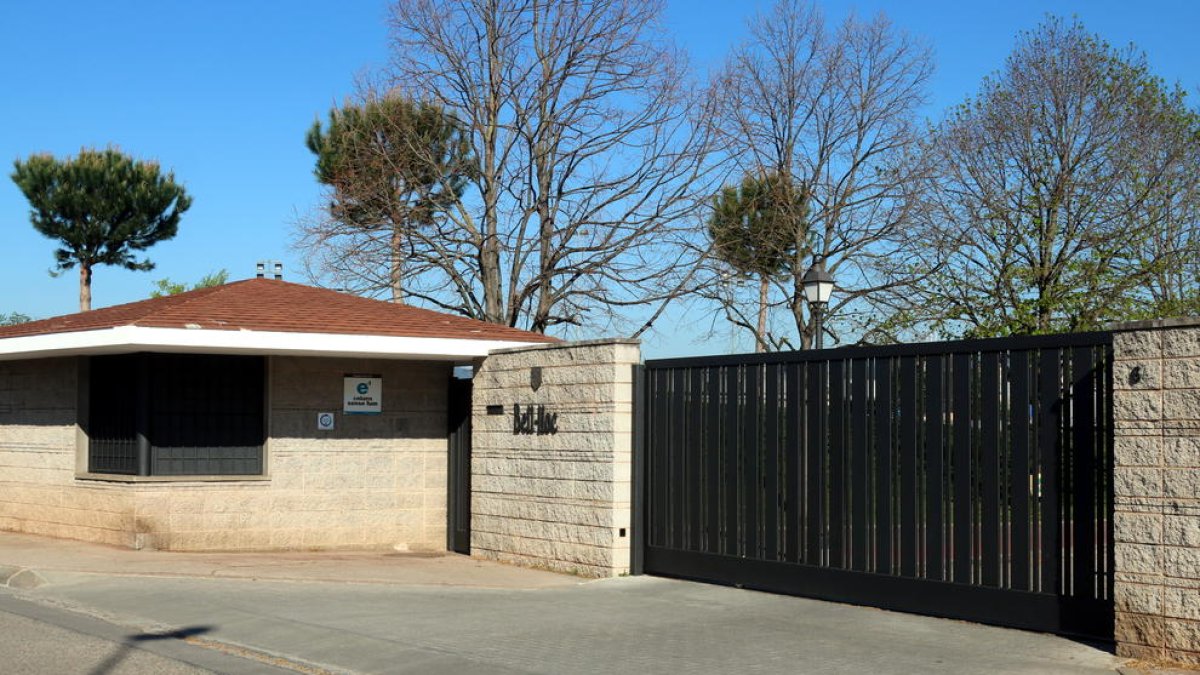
(222, 92)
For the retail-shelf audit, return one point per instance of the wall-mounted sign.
(531, 419)
(325, 421)
(362, 394)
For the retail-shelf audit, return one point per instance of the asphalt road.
(627, 625)
(36, 639)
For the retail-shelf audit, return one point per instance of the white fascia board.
(125, 339)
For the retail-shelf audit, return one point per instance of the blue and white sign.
(362, 395)
(325, 421)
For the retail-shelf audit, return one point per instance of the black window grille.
(176, 414)
(112, 416)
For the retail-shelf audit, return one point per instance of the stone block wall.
(38, 490)
(560, 500)
(372, 482)
(1157, 490)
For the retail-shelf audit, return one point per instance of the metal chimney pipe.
(260, 270)
(278, 271)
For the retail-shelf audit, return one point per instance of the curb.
(21, 578)
(1155, 670)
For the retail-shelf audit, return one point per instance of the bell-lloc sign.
(533, 420)
(362, 394)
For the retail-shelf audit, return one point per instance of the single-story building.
(256, 415)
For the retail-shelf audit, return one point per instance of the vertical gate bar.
(662, 457)
(670, 448)
(934, 474)
(712, 455)
(909, 456)
(1049, 421)
(751, 449)
(989, 451)
(1065, 459)
(696, 459)
(679, 457)
(730, 485)
(1083, 419)
(651, 456)
(656, 451)
(1019, 417)
(1104, 469)
(814, 450)
(792, 509)
(837, 463)
(1004, 467)
(860, 478)
(142, 414)
(884, 423)
(961, 486)
(770, 466)
(670, 457)
(637, 531)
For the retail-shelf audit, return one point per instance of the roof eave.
(126, 339)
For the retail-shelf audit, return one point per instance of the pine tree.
(753, 230)
(392, 164)
(102, 206)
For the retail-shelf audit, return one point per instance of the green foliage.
(1068, 194)
(165, 287)
(102, 206)
(14, 319)
(390, 161)
(753, 226)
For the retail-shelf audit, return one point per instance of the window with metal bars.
(176, 415)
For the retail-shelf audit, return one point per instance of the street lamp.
(818, 287)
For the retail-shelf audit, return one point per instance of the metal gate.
(966, 479)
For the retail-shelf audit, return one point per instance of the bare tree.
(1171, 249)
(587, 156)
(834, 112)
(1065, 193)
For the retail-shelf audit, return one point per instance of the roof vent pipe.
(278, 271)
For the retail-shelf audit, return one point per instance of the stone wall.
(373, 482)
(556, 500)
(1157, 490)
(38, 490)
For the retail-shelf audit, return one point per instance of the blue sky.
(223, 91)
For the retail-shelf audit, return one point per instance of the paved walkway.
(539, 625)
(52, 557)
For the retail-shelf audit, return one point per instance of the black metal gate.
(966, 479)
(458, 474)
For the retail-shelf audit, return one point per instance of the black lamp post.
(818, 287)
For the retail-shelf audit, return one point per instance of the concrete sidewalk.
(23, 557)
(453, 615)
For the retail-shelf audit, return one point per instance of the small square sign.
(362, 395)
(325, 421)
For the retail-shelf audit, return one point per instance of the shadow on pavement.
(132, 641)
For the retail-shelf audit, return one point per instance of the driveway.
(626, 625)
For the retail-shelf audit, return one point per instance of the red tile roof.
(271, 305)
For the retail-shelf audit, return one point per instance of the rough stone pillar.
(551, 482)
(1156, 408)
